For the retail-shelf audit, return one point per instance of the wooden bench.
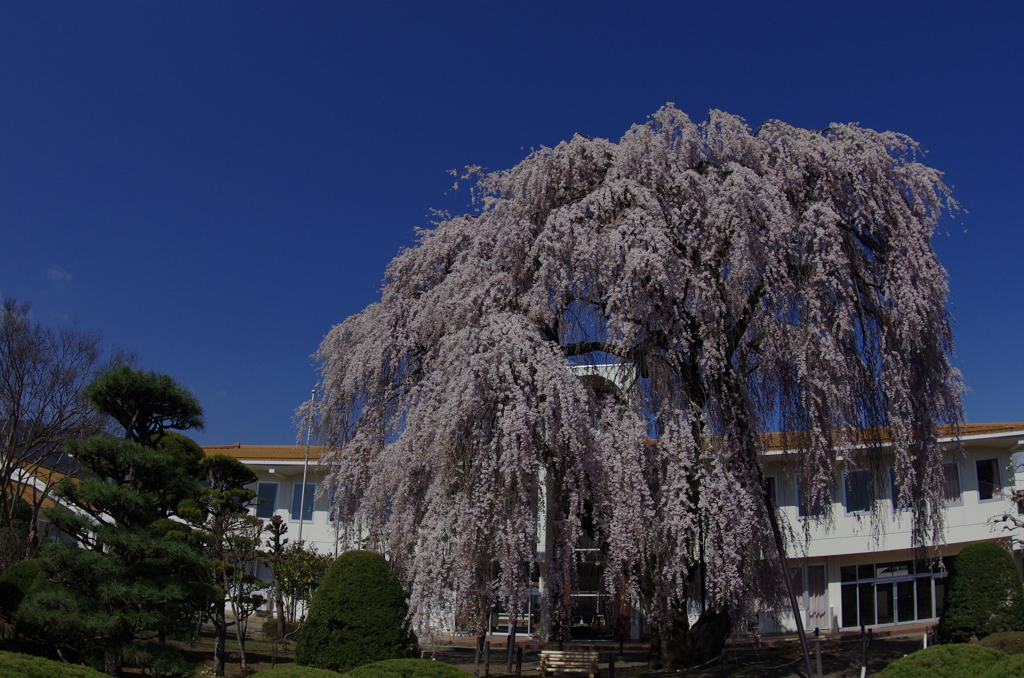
(568, 661)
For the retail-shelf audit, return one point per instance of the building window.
(891, 593)
(772, 492)
(951, 483)
(266, 499)
(989, 486)
(803, 510)
(859, 497)
(894, 492)
(300, 506)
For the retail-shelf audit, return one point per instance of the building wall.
(317, 530)
(872, 551)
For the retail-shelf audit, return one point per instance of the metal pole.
(788, 576)
(305, 464)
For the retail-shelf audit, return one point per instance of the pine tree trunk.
(220, 629)
(111, 663)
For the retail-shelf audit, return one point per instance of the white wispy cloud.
(58, 274)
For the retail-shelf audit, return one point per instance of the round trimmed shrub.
(17, 665)
(358, 615)
(407, 668)
(944, 661)
(984, 595)
(1010, 642)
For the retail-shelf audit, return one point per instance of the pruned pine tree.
(131, 577)
(742, 281)
(225, 533)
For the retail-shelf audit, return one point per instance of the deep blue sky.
(215, 185)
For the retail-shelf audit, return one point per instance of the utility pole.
(305, 464)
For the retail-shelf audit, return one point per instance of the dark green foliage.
(15, 582)
(293, 671)
(132, 574)
(984, 595)
(1010, 642)
(144, 403)
(358, 615)
(270, 630)
(225, 532)
(186, 452)
(160, 660)
(15, 665)
(407, 668)
(944, 661)
(1009, 667)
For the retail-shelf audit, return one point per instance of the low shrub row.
(1010, 642)
(957, 660)
(16, 665)
(391, 668)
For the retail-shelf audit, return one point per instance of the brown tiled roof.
(265, 452)
(32, 495)
(775, 441)
(772, 441)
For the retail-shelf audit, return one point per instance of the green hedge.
(293, 671)
(958, 660)
(406, 668)
(1010, 642)
(15, 665)
(358, 615)
(984, 595)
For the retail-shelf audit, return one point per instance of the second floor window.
(951, 483)
(989, 486)
(300, 506)
(859, 496)
(266, 499)
(894, 492)
(803, 509)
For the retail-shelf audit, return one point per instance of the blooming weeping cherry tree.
(743, 281)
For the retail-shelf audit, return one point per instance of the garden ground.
(842, 656)
(773, 658)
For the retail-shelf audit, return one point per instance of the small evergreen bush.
(293, 671)
(406, 668)
(358, 615)
(944, 661)
(16, 665)
(984, 595)
(1010, 642)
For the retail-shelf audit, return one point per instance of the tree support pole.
(777, 533)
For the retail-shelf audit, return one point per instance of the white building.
(862, 570)
(279, 469)
(854, 574)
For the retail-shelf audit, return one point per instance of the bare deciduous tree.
(42, 373)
